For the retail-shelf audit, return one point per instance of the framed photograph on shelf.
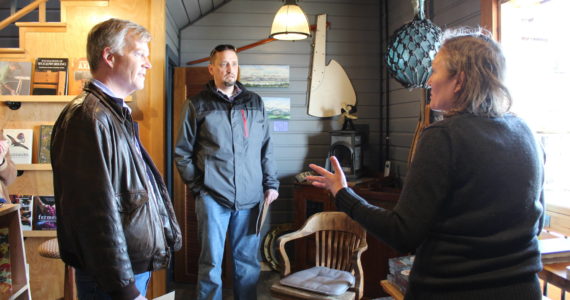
(264, 75)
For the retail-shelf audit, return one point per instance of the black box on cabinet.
(346, 146)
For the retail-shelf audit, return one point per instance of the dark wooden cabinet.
(310, 200)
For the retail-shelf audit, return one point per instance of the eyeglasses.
(223, 47)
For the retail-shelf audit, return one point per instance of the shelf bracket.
(13, 105)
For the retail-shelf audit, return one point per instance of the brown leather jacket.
(107, 225)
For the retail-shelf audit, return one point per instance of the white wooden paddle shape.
(330, 86)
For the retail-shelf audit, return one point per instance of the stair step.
(41, 24)
(12, 51)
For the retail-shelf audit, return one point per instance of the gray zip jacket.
(224, 148)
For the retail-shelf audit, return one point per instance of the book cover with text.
(20, 141)
(45, 218)
(50, 76)
(79, 76)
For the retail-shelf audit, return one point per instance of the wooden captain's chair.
(339, 243)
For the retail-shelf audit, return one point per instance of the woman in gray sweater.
(472, 205)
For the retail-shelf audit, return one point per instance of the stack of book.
(399, 268)
(554, 250)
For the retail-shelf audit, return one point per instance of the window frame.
(491, 20)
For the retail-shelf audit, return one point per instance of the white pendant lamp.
(290, 23)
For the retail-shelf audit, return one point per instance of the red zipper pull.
(244, 119)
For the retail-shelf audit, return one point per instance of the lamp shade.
(290, 23)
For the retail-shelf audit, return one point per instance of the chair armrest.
(282, 240)
(357, 268)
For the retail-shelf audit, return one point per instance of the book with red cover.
(79, 75)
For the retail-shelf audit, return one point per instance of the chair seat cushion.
(321, 280)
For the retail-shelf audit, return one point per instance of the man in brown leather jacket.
(115, 221)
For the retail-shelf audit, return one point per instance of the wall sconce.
(290, 23)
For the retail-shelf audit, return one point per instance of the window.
(535, 40)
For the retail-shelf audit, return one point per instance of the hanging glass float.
(412, 49)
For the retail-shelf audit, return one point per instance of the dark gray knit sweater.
(471, 207)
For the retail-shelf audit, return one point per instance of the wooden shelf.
(40, 233)
(44, 98)
(37, 98)
(7, 208)
(33, 167)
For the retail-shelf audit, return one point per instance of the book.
(399, 271)
(15, 77)
(79, 76)
(554, 250)
(26, 209)
(5, 265)
(50, 76)
(20, 141)
(263, 208)
(44, 147)
(45, 218)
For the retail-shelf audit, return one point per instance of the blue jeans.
(87, 288)
(214, 221)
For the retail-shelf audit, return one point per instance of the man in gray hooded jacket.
(224, 154)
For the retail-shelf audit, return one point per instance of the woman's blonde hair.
(475, 54)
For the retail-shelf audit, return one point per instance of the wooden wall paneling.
(155, 109)
(181, 270)
(491, 16)
(46, 274)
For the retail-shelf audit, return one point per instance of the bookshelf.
(10, 217)
(37, 98)
(42, 98)
(67, 39)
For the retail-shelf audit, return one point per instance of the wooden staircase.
(41, 25)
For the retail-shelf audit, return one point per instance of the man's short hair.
(220, 48)
(112, 33)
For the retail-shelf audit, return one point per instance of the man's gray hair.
(112, 33)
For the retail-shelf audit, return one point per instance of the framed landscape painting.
(264, 75)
